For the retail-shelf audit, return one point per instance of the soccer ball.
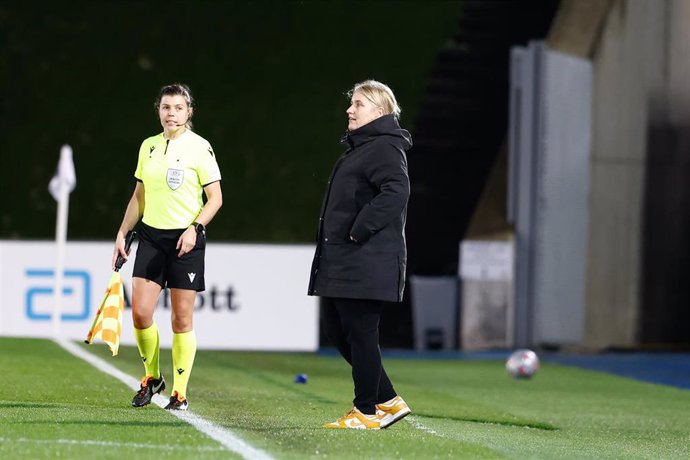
(522, 364)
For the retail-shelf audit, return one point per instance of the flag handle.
(129, 239)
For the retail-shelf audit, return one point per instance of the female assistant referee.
(173, 170)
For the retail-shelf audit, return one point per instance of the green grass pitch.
(54, 405)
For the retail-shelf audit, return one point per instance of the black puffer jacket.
(366, 200)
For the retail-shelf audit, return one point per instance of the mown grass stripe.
(289, 387)
(225, 437)
(134, 445)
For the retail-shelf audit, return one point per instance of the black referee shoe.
(176, 403)
(149, 387)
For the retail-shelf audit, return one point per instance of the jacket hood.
(386, 125)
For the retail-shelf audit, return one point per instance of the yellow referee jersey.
(174, 173)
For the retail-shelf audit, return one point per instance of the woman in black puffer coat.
(360, 253)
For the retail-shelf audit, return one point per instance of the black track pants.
(353, 327)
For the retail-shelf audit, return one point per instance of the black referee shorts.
(157, 259)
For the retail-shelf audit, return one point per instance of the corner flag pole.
(60, 187)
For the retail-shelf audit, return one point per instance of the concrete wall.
(641, 79)
(666, 240)
(638, 254)
(679, 62)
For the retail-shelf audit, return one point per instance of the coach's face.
(361, 111)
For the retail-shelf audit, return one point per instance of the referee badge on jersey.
(174, 178)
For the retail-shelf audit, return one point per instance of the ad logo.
(76, 294)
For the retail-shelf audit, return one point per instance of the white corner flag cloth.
(64, 174)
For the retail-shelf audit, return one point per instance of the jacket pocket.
(337, 228)
(339, 261)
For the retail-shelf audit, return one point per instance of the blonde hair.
(379, 94)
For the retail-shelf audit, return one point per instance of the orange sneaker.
(392, 411)
(356, 420)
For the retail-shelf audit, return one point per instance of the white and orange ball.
(522, 364)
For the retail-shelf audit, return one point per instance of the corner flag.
(60, 186)
(64, 175)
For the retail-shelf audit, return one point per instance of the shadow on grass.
(273, 429)
(132, 423)
(517, 423)
(32, 405)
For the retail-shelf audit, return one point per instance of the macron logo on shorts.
(191, 277)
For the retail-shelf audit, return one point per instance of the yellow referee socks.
(183, 352)
(149, 349)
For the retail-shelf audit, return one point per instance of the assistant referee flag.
(107, 325)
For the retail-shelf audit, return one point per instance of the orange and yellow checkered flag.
(107, 325)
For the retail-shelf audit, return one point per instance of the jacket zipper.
(166, 146)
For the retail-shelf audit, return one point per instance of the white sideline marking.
(134, 445)
(224, 436)
(417, 424)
